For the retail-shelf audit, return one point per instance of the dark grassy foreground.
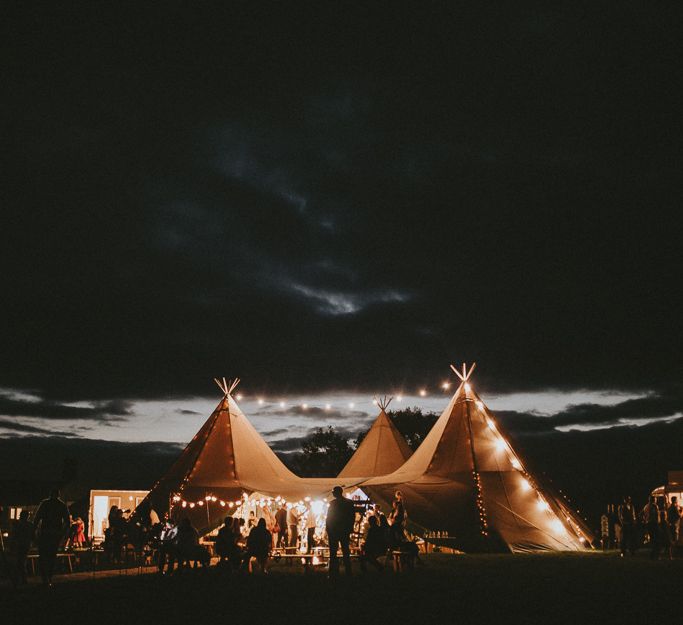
(548, 589)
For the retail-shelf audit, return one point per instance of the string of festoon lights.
(317, 505)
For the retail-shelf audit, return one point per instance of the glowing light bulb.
(516, 463)
(282, 404)
(230, 504)
(374, 401)
(304, 406)
(222, 503)
(423, 392)
(468, 388)
(238, 397)
(446, 385)
(399, 398)
(260, 401)
(525, 484)
(351, 404)
(328, 406)
(557, 526)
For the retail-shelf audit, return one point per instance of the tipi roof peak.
(465, 374)
(383, 402)
(227, 386)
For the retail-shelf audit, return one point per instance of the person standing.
(339, 524)
(22, 536)
(673, 517)
(311, 523)
(627, 520)
(397, 519)
(281, 520)
(651, 520)
(374, 545)
(293, 525)
(52, 522)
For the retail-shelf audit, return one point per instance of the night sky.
(331, 203)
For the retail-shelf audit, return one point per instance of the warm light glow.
(317, 507)
(491, 424)
(525, 484)
(351, 404)
(480, 404)
(516, 463)
(399, 398)
(191, 505)
(423, 392)
(543, 505)
(328, 406)
(260, 401)
(374, 401)
(222, 503)
(238, 397)
(200, 503)
(230, 504)
(307, 498)
(500, 444)
(468, 388)
(557, 526)
(208, 497)
(446, 386)
(184, 504)
(282, 404)
(304, 406)
(316, 560)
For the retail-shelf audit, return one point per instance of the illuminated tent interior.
(226, 460)
(465, 482)
(382, 451)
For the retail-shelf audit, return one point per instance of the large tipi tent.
(382, 451)
(226, 460)
(466, 482)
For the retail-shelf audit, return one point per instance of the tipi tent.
(382, 451)
(466, 482)
(226, 460)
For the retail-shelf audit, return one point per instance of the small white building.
(101, 502)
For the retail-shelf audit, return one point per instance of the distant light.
(399, 398)
(328, 406)
(374, 401)
(238, 397)
(446, 386)
(582, 539)
(260, 401)
(423, 392)
(468, 388)
(282, 404)
(304, 406)
(351, 404)
(191, 505)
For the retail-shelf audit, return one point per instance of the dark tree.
(324, 454)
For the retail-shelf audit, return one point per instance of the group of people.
(657, 523)
(242, 544)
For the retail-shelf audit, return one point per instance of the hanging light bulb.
(525, 485)
(516, 463)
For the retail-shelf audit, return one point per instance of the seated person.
(258, 545)
(375, 545)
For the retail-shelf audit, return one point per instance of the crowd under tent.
(226, 463)
(101, 502)
(466, 485)
(382, 451)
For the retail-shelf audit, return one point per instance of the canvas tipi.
(226, 460)
(467, 483)
(382, 451)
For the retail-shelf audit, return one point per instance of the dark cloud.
(20, 429)
(650, 407)
(314, 413)
(188, 412)
(12, 405)
(355, 202)
(294, 443)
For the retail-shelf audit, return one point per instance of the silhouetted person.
(310, 528)
(187, 541)
(665, 539)
(52, 522)
(167, 547)
(281, 520)
(258, 545)
(375, 545)
(224, 541)
(22, 536)
(293, 525)
(339, 524)
(673, 515)
(397, 520)
(627, 520)
(651, 520)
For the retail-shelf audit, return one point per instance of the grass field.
(554, 588)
